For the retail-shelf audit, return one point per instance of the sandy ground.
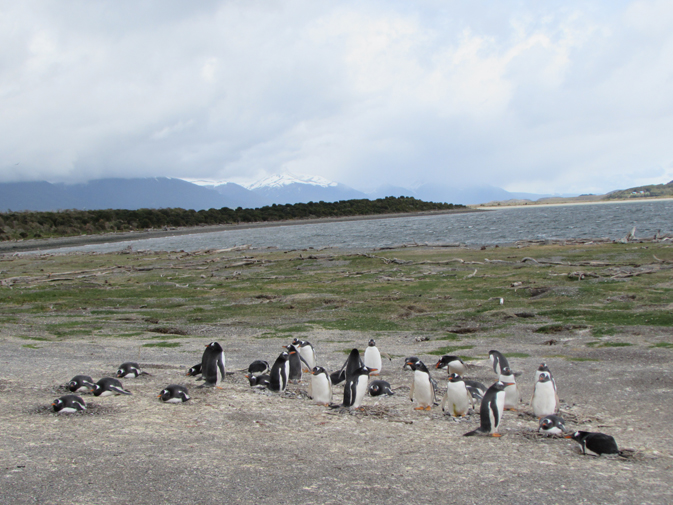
(239, 445)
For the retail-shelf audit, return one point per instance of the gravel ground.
(240, 445)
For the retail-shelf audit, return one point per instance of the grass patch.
(662, 345)
(31, 346)
(569, 358)
(24, 337)
(516, 355)
(360, 324)
(449, 349)
(162, 344)
(615, 344)
(303, 328)
(448, 336)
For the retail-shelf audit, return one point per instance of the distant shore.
(561, 202)
(107, 238)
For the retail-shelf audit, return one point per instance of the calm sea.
(502, 226)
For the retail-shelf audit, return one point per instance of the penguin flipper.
(472, 433)
(119, 390)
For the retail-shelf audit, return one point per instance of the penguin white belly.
(107, 392)
(423, 391)
(321, 389)
(457, 367)
(544, 399)
(511, 397)
(456, 400)
(286, 377)
(373, 360)
(308, 355)
(360, 391)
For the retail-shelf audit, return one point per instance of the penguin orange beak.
(158, 396)
(373, 369)
(509, 383)
(293, 352)
(53, 404)
(568, 436)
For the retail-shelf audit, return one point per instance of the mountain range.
(164, 192)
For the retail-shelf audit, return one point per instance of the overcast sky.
(536, 96)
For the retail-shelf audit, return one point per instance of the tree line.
(26, 225)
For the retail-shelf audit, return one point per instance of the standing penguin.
(552, 425)
(174, 393)
(457, 399)
(321, 386)
(212, 365)
(109, 386)
(595, 443)
(491, 410)
(307, 353)
(421, 387)
(352, 363)
(80, 383)
(130, 369)
(68, 404)
(355, 388)
(453, 363)
(295, 363)
(498, 361)
(477, 391)
(280, 371)
(544, 400)
(373, 358)
(511, 391)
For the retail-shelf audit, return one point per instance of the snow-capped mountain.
(286, 179)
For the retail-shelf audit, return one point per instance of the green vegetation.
(651, 190)
(516, 355)
(162, 344)
(663, 345)
(405, 293)
(26, 225)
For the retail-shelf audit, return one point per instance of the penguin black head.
(408, 362)
(215, 346)
(454, 377)
(544, 377)
(58, 405)
(296, 341)
(579, 435)
(499, 386)
(420, 366)
(372, 343)
(506, 371)
(317, 370)
(284, 355)
(291, 349)
(194, 371)
(363, 370)
(543, 367)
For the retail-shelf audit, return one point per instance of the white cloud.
(540, 97)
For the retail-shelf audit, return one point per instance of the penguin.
(380, 387)
(477, 391)
(195, 371)
(212, 365)
(491, 410)
(552, 425)
(453, 363)
(373, 358)
(498, 361)
(595, 443)
(68, 404)
(307, 352)
(421, 387)
(544, 400)
(408, 362)
(511, 391)
(174, 393)
(280, 371)
(258, 366)
(353, 362)
(259, 381)
(295, 363)
(129, 369)
(321, 386)
(80, 384)
(355, 388)
(109, 386)
(544, 368)
(457, 399)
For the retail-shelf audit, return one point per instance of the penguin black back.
(380, 387)
(174, 393)
(68, 404)
(258, 366)
(490, 412)
(498, 361)
(597, 443)
(295, 363)
(212, 364)
(280, 370)
(81, 383)
(195, 371)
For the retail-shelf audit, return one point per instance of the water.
(502, 226)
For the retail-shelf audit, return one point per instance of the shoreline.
(565, 204)
(109, 238)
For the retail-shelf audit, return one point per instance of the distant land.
(165, 193)
(651, 191)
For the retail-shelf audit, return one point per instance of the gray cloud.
(540, 97)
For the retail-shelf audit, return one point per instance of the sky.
(550, 97)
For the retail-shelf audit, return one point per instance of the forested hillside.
(26, 225)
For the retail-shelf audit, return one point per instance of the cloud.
(539, 97)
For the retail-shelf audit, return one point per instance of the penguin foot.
(496, 435)
(429, 407)
(419, 408)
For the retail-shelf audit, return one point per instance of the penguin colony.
(462, 397)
